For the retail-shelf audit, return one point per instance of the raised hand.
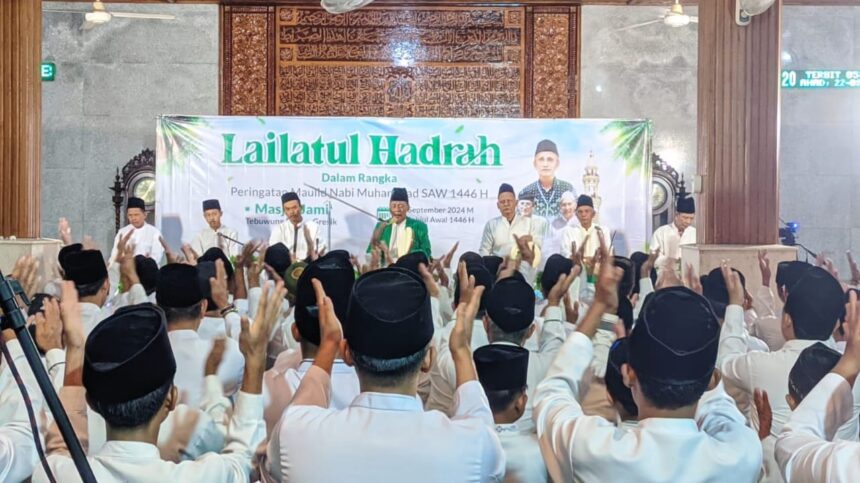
(463, 285)
(443, 275)
(216, 355)
(172, 257)
(510, 266)
(127, 267)
(765, 415)
(88, 243)
(460, 341)
(667, 277)
(65, 231)
(313, 253)
(26, 273)
(331, 332)
(273, 275)
(855, 272)
(73, 334)
(606, 288)
(571, 310)
(429, 282)
(385, 252)
(648, 264)
(733, 284)
(247, 255)
(764, 268)
(256, 267)
(254, 338)
(691, 280)
(526, 252)
(49, 326)
(579, 255)
(190, 256)
(560, 289)
(446, 260)
(218, 286)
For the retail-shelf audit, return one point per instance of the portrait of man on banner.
(547, 190)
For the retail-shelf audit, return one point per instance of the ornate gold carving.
(551, 65)
(249, 63)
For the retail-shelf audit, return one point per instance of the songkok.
(618, 356)
(278, 257)
(511, 305)
(556, 266)
(502, 367)
(811, 366)
(74, 247)
(85, 267)
(686, 205)
(291, 278)
(675, 339)
(337, 277)
(215, 253)
(290, 196)
(135, 203)
(482, 279)
(815, 304)
(410, 261)
(506, 188)
(789, 273)
(178, 286)
(128, 355)
(399, 194)
(493, 263)
(584, 200)
(471, 257)
(211, 205)
(546, 146)
(389, 315)
(625, 285)
(147, 272)
(715, 290)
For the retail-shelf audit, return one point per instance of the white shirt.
(522, 452)
(498, 237)
(191, 351)
(18, 455)
(208, 238)
(715, 446)
(669, 241)
(384, 438)
(133, 461)
(293, 237)
(145, 240)
(750, 370)
(577, 234)
(805, 449)
(281, 382)
(767, 324)
(443, 376)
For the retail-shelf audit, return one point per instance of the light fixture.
(98, 16)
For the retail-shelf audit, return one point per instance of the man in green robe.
(400, 233)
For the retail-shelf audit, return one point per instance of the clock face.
(659, 195)
(145, 190)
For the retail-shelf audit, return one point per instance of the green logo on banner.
(49, 71)
(383, 213)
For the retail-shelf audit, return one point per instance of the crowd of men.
(237, 361)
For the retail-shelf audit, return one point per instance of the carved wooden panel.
(420, 61)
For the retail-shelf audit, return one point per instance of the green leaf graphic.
(631, 142)
(460, 129)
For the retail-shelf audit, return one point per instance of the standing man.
(210, 237)
(296, 233)
(547, 189)
(503, 234)
(400, 233)
(587, 231)
(145, 238)
(669, 238)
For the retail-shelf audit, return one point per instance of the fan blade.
(52, 10)
(157, 16)
(694, 19)
(636, 26)
(88, 25)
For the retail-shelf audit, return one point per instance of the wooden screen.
(456, 60)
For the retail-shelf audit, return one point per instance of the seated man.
(511, 234)
(145, 237)
(805, 449)
(385, 434)
(125, 373)
(401, 234)
(684, 434)
(587, 232)
(216, 234)
(503, 372)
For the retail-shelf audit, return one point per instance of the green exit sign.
(49, 71)
(820, 79)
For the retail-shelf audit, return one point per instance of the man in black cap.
(125, 373)
(512, 235)
(334, 270)
(669, 238)
(179, 295)
(814, 306)
(401, 234)
(86, 268)
(620, 396)
(587, 232)
(145, 238)
(387, 336)
(215, 235)
(767, 324)
(301, 236)
(812, 365)
(685, 434)
(503, 372)
(547, 189)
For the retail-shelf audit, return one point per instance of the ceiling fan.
(674, 17)
(100, 16)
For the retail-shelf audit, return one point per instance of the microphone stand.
(14, 319)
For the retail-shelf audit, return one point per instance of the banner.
(452, 169)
